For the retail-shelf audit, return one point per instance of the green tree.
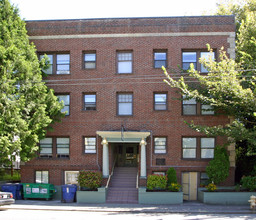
(27, 106)
(218, 168)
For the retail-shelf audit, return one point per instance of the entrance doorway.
(189, 185)
(127, 154)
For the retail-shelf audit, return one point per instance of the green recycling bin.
(38, 191)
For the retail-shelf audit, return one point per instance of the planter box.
(91, 196)
(160, 197)
(225, 198)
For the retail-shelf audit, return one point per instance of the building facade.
(118, 109)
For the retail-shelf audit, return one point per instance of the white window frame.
(73, 179)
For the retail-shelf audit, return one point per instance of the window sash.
(125, 104)
(46, 147)
(66, 101)
(62, 145)
(42, 176)
(189, 147)
(160, 101)
(89, 60)
(207, 56)
(90, 145)
(63, 63)
(207, 147)
(124, 62)
(207, 110)
(90, 102)
(71, 177)
(187, 59)
(189, 106)
(160, 145)
(49, 70)
(160, 59)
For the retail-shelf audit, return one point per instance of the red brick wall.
(104, 81)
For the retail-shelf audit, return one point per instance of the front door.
(189, 185)
(127, 155)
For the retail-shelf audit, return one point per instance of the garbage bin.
(38, 191)
(15, 189)
(68, 193)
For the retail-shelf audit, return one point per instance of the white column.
(143, 167)
(105, 161)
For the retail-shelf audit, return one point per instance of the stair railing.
(112, 171)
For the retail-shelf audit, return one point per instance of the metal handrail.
(112, 171)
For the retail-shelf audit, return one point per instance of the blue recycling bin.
(68, 193)
(15, 189)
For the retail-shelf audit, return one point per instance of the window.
(124, 62)
(42, 176)
(187, 59)
(160, 101)
(207, 56)
(193, 57)
(66, 102)
(89, 102)
(207, 110)
(90, 60)
(125, 104)
(159, 173)
(207, 147)
(71, 177)
(59, 63)
(62, 147)
(204, 179)
(189, 106)
(189, 147)
(160, 145)
(160, 59)
(45, 147)
(90, 145)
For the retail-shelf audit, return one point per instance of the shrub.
(211, 187)
(249, 183)
(89, 179)
(171, 176)
(174, 187)
(218, 168)
(156, 182)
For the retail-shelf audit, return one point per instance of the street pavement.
(186, 207)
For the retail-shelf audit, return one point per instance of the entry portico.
(124, 137)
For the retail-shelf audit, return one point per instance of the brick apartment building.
(118, 109)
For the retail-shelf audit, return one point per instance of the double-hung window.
(125, 104)
(160, 59)
(89, 102)
(66, 101)
(189, 145)
(62, 145)
(193, 57)
(160, 145)
(203, 145)
(42, 176)
(90, 60)
(46, 146)
(160, 101)
(189, 106)
(90, 145)
(124, 62)
(59, 63)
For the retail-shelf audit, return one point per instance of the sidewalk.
(186, 207)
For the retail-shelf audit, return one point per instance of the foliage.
(218, 168)
(171, 176)
(223, 89)
(249, 183)
(89, 179)
(27, 106)
(5, 175)
(156, 182)
(174, 187)
(211, 187)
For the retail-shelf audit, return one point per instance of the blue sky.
(77, 9)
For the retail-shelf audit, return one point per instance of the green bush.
(156, 182)
(174, 187)
(249, 183)
(218, 168)
(171, 176)
(89, 179)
